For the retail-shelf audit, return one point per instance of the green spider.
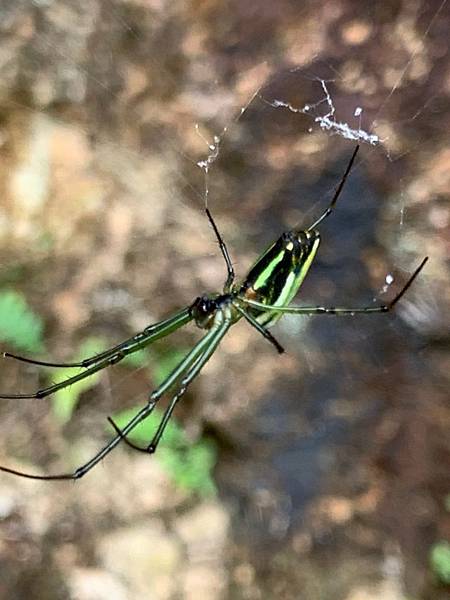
(261, 299)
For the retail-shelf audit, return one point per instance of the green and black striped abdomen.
(277, 276)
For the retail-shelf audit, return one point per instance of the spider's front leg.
(107, 358)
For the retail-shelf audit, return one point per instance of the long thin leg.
(128, 347)
(125, 439)
(338, 191)
(187, 362)
(222, 328)
(78, 473)
(139, 340)
(182, 366)
(321, 310)
(196, 368)
(262, 330)
(225, 253)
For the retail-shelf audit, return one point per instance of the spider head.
(203, 310)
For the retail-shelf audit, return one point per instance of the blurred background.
(322, 474)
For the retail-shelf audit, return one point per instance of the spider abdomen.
(277, 275)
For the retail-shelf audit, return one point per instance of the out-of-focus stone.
(96, 584)
(147, 557)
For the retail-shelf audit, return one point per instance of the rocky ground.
(332, 461)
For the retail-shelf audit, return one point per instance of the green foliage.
(19, 325)
(65, 401)
(191, 467)
(440, 561)
(189, 464)
(163, 364)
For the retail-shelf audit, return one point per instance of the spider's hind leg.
(124, 437)
(210, 343)
(151, 447)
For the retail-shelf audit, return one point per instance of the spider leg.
(112, 356)
(78, 473)
(213, 341)
(262, 330)
(194, 355)
(322, 310)
(125, 439)
(187, 379)
(136, 342)
(337, 193)
(219, 329)
(225, 253)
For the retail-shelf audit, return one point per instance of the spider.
(261, 298)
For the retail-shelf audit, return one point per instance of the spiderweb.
(121, 120)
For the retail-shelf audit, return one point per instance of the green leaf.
(191, 467)
(66, 400)
(19, 325)
(440, 561)
(163, 364)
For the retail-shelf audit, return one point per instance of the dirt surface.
(332, 469)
